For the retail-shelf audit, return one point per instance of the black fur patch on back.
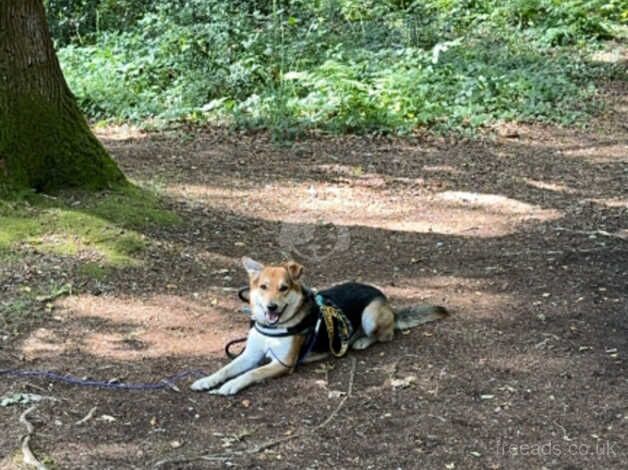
(352, 298)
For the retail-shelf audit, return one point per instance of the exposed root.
(88, 416)
(29, 457)
(271, 443)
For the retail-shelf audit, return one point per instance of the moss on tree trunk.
(45, 142)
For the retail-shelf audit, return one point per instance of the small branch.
(88, 416)
(273, 442)
(604, 233)
(29, 457)
(503, 254)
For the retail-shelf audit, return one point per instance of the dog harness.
(337, 324)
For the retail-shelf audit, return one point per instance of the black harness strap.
(320, 309)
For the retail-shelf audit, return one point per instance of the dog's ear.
(295, 270)
(252, 267)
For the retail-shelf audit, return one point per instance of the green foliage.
(82, 20)
(339, 65)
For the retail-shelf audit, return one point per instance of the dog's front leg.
(246, 361)
(270, 370)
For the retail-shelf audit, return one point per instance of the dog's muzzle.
(272, 316)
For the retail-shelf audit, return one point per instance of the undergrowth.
(341, 66)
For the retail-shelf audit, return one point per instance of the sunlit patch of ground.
(466, 298)
(611, 202)
(599, 153)
(43, 343)
(449, 212)
(133, 329)
(119, 133)
(550, 186)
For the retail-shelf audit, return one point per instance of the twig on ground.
(29, 457)
(552, 252)
(37, 387)
(604, 233)
(88, 416)
(273, 442)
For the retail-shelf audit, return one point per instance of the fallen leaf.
(403, 383)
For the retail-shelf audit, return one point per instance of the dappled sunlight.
(467, 155)
(613, 152)
(466, 298)
(611, 202)
(449, 169)
(550, 186)
(490, 202)
(373, 205)
(134, 329)
(43, 343)
(119, 133)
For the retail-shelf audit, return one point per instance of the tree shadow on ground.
(536, 292)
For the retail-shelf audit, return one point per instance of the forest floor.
(521, 233)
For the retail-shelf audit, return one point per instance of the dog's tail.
(413, 316)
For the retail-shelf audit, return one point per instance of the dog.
(283, 313)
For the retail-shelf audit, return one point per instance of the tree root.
(29, 457)
(87, 417)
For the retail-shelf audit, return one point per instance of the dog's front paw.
(230, 388)
(206, 383)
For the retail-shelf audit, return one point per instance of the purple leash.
(167, 382)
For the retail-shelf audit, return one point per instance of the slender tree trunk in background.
(45, 142)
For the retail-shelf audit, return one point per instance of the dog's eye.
(263, 287)
(283, 288)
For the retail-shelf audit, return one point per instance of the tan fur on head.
(275, 290)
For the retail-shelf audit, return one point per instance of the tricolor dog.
(285, 314)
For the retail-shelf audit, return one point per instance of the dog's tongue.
(272, 317)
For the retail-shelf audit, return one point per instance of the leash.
(337, 324)
(244, 297)
(229, 353)
(167, 382)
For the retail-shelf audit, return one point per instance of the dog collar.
(303, 328)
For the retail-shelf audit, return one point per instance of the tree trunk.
(45, 142)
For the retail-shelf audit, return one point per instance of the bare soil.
(520, 233)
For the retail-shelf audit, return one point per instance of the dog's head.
(275, 290)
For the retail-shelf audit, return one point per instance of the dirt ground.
(522, 234)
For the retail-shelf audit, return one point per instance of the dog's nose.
(272, 307)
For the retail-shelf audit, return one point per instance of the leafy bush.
(340, 65)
